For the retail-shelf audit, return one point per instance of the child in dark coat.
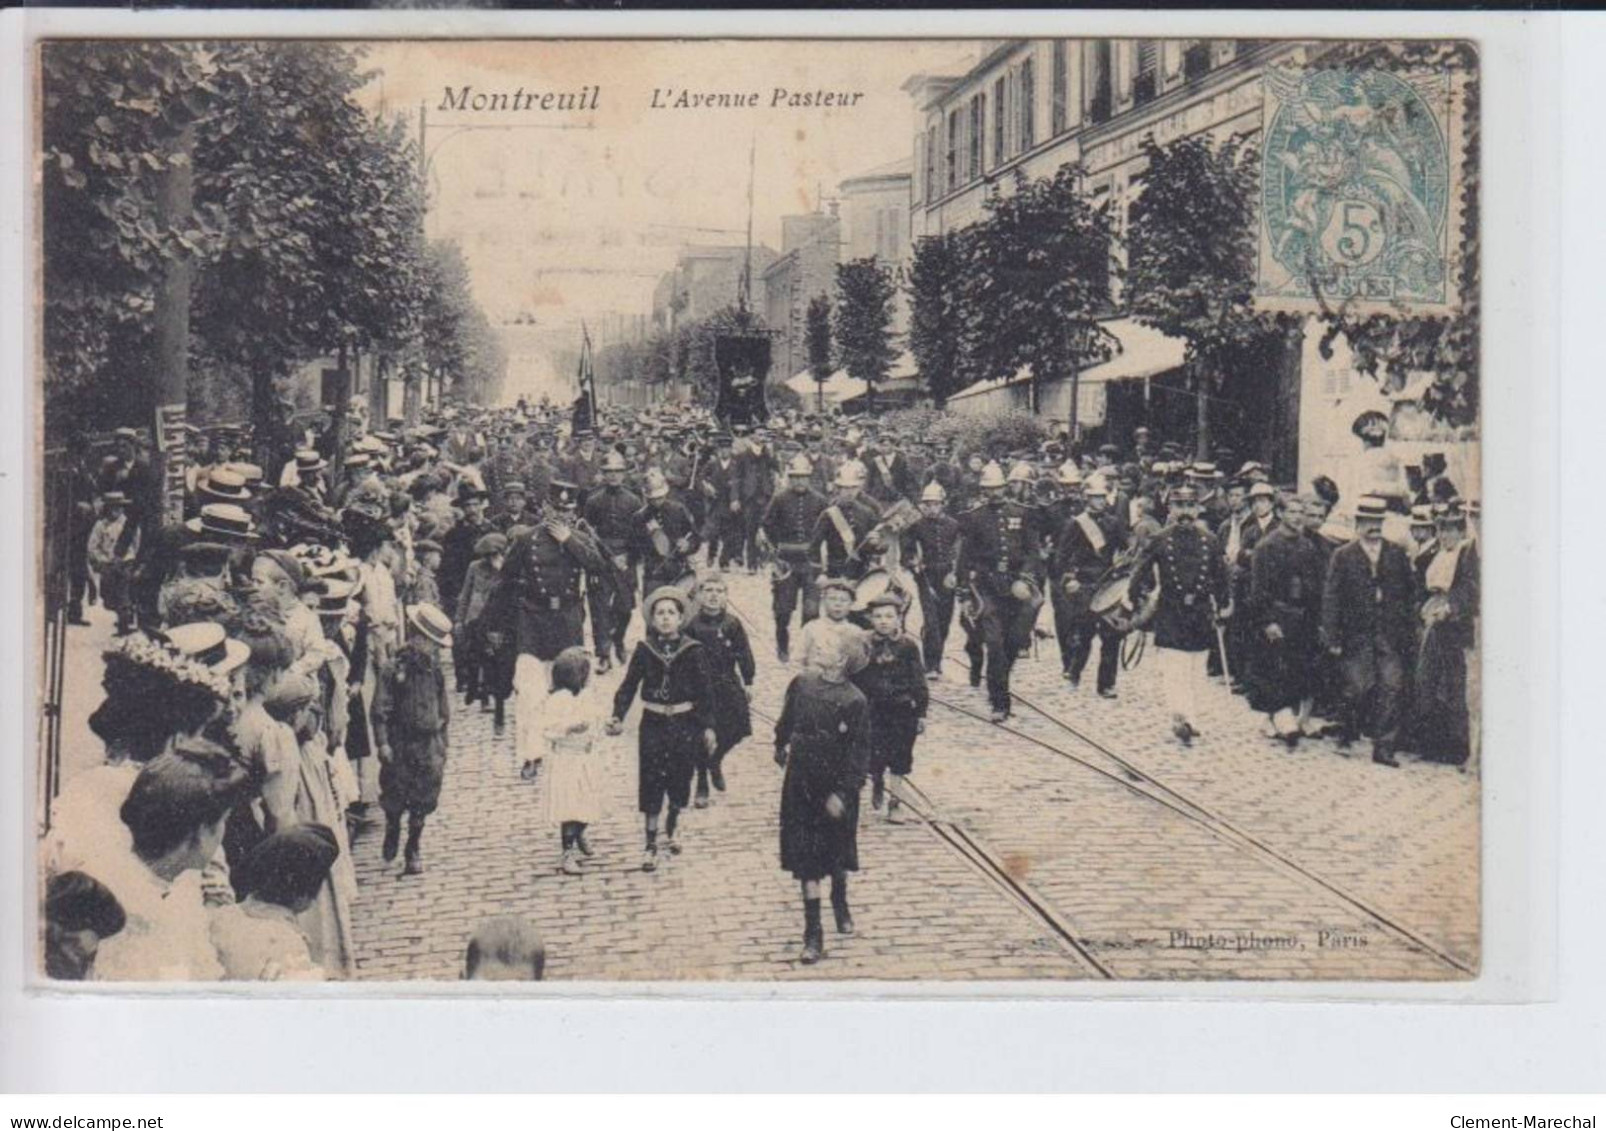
(823, 738)
(731, 668)
(670, 670)
(894, 683)
(411, 712)
(488, 659)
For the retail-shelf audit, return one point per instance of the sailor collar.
(682, 644)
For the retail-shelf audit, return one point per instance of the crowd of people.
(288, 658)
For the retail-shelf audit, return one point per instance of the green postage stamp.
(1361, 190)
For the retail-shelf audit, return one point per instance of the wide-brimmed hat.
(114, 499)
(250, 472)
(225, 485)
(431, 622)
(206, 642)
(1371, 506)
(308, 461)
(224, 520)
(335, 597)
(1262, 490)
(667, 593)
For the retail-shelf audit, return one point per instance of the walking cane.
(1221, 640)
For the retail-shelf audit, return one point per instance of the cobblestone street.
(1234, 859)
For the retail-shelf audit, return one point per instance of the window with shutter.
(978, 120)
(998, 123)
(1101, 84)
(1058, 123)
(1146, 80)
(953, 150)
(1027, 105)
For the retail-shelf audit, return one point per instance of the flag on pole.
(585, 404)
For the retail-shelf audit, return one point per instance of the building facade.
(1034, 105)
(706, 279)
(875, 221)
(811, 247)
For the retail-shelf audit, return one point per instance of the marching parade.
(287, 663)
(570, 559)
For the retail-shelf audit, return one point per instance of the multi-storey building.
(875, 216)
(811, 247)
(706, 279)
(1033, 105)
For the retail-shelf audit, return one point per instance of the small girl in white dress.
(571, 719)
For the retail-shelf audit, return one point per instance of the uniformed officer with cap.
(1186, 563)
(844, 524)
(610, 511)
(1086, 545)
(1000, 558)
(663, 536)
(786, 531)
(538, 595)
(932, 547)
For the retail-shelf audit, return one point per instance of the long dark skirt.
(1282, 674)
(813, 843)
(1439, 709)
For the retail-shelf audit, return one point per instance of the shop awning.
(1140, 351)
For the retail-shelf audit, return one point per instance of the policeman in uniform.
(1192, 579)
(786, 531)
(457, 554)
(663, 536)
(538, 595)
(611, 511)
(933, 545)
(844, 524)
(1001, 559)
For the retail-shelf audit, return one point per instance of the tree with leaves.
(817, 342)
(934, 318)
(1034, 283)
(1191, 250)
(324, 223)
(112, 123)
(865, 292)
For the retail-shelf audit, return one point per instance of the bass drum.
(1109, 602)
(877, 582)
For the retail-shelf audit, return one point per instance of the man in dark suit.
(722, 485)
(1368, 610)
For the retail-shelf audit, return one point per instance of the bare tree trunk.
(1201, 401)
(169, 379)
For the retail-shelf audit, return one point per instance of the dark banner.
(743, 361)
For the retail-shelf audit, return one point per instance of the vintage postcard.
(706, 511)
